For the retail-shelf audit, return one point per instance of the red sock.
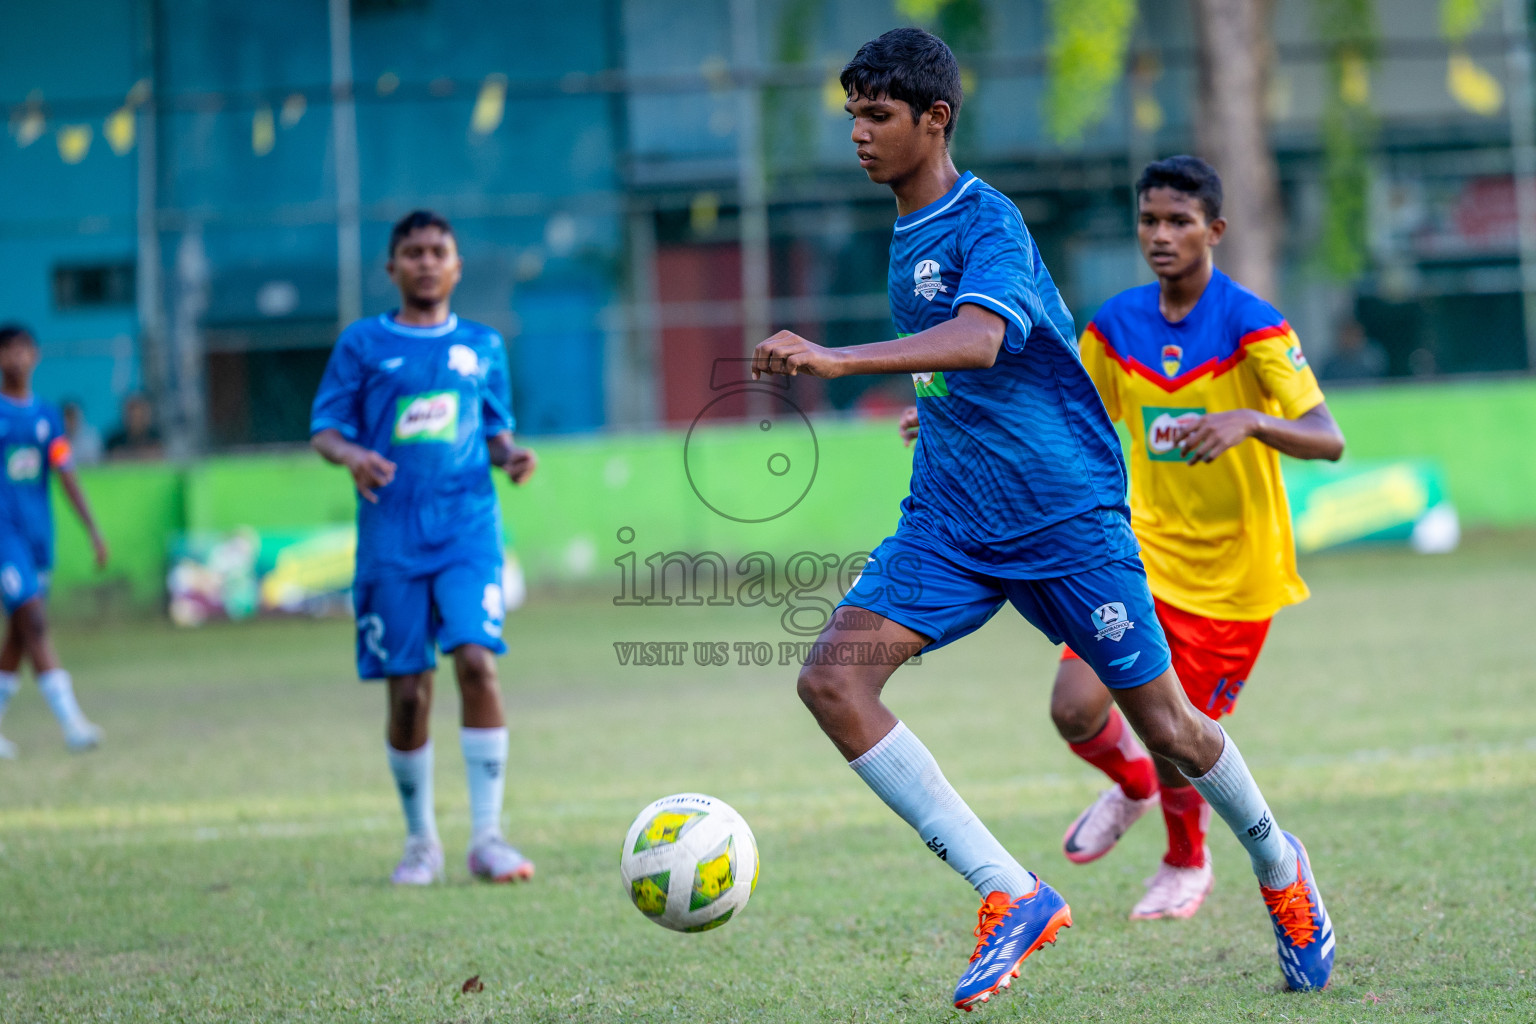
(1116, 752)
(1188, 818)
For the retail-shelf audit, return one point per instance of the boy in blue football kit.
(1018, 494)
(415, 404)
(35, 447)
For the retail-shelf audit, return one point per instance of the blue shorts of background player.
(401, 622)
(23, 570)
(1105, 613)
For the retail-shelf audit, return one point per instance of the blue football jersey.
(426, 398)
(32, 442)
(1017, 468)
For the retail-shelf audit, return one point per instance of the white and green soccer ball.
(689, 862)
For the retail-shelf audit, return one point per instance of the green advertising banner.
(1370, 501)
(246, 572)
(835, 484)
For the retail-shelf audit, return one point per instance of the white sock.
(413, 779)
(59, 691)
(1230, 790)
(485, 764)
(8, 686)
(904, 774)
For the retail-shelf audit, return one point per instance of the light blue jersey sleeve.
(496, 403)
(338, 403)
(998, 270)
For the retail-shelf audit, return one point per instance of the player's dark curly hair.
(1187, 174)
(910, 65)
(15, 332)
(415, 221)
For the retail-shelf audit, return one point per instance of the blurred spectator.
(1355, 356)
(138, 437)
(84, 439)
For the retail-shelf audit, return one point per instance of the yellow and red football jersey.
(1215, 538)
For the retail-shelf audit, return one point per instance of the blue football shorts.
(23, 575)
(1105, 614)
(400, 622)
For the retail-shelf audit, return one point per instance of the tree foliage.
(1460, 18)
(1348, 28)
(1089, 40)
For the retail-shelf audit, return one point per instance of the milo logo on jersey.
(23, 463)
(430, 417)
(928, 385)
(1162, 426)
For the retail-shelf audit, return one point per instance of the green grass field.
(224, 856)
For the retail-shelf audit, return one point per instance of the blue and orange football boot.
(1009, 930)
(1303, 932)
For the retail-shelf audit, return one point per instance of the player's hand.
(787, 354)
(520, 464)
(370, 471)
(908, 425)
(1211, 434)
(100, 547)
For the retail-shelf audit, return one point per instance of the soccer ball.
(689, 862)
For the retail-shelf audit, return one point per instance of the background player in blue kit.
(34, 446)
(1018, 494)
(415, 404)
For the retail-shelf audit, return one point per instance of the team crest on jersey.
(23, 463)
(43, 430)
(430, 417)
(1298, 361)
(927, 280)
(463, 359)
(1110, 621)
(1173, 357)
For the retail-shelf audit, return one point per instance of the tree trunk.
(1236, 58)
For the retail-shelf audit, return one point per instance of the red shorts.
(1212, 657)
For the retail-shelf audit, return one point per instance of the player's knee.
(476, 669)
(1171, 735)
(821, 688)
(1074, 720)
(410, 698)
(30, 619)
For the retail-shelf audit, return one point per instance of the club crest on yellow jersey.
(1173, 358)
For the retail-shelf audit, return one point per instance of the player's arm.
(908, 425)
(1312, 435)
(519, 462)
(1306, 430)
(369, 469)
(968, 341)
(497, 420)
(336, 416)
(71, 484)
